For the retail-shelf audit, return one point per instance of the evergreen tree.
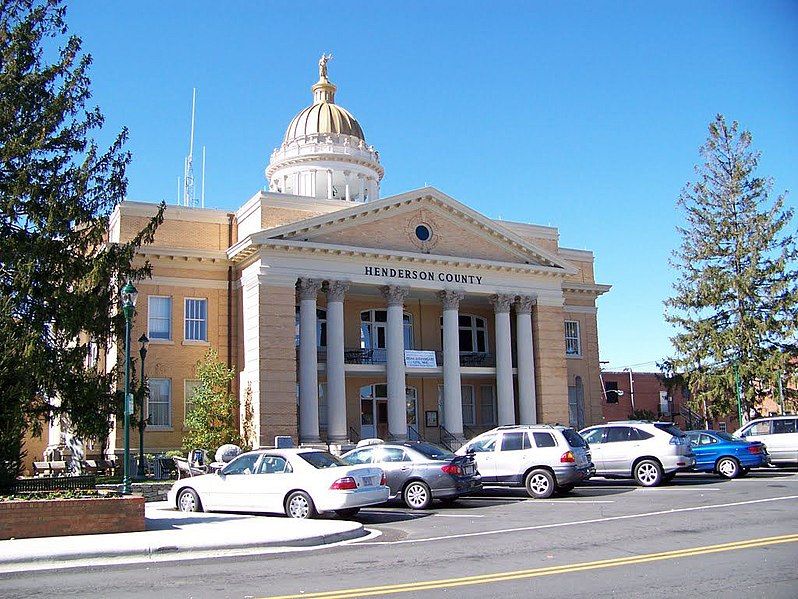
(59, 275)
(213, 419)
(735, 300)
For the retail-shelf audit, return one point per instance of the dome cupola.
(324, 152)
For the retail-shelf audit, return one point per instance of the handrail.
(469, 433)
(413, 434)
(354, 436)
(447, 439)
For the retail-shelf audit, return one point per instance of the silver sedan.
(419, 472)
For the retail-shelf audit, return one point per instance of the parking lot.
(700, 534)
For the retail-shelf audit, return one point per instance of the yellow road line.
(533, 573)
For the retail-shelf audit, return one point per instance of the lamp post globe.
(144, 341)
(129, 295)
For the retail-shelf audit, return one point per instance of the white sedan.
(299, 482)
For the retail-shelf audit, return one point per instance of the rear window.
(545, 440)
(433, 452)
(322, 459)
(669, 428)
(726, 436)
(574, 439)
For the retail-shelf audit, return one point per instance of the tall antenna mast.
(188, 175)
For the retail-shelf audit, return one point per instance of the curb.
(147, 550)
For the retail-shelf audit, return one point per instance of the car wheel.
(540, 484)
(648, 473)
(417, 495)
(299, 505)
(348, 512)
(728, 467)
(563, 489)
(745, 471)
(189, 501)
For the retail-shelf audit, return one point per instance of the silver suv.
(778, 433)
(541, 457)
(649, 452)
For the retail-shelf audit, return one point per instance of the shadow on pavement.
(180, 522)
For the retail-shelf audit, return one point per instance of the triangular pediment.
(391, 224)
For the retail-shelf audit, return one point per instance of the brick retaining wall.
(55, 518)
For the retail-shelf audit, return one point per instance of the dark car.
(419, 472)
(725, 454)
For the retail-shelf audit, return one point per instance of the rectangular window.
(159, 405)
(469, 409)
(159, 317)
(189, 387)
(722, 426)
(196, 319)
(487, 405)
(611, 389)
(572, 345)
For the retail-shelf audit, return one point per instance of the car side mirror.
(220, 474)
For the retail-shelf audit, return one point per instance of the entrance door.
(374, 412)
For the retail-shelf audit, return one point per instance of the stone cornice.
(174, 212)
(593, 289)
(246, 249)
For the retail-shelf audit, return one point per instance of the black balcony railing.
(380, 356)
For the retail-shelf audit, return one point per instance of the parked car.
(649, 452)
(540, 457)
(299, 482)
(726, 455)
(778, 433)
(418, 472)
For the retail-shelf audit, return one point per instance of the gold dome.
(324, 115)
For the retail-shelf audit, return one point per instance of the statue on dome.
(323, 65)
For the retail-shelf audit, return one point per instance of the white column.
(296, 184)
(526, 360)
(362, 184)
(346, 181)
(313, 175)
(397, 387)
(308, 363)
(504, 358)
(329, 185)
(336, 379)
(452, 393)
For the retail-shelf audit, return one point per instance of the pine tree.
(59, 275)
(735, 299)
(213, 419)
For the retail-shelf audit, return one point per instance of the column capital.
(394, 294)
(450, 299)
(336, 290)
(308, 288)
(501, 302)
(524, 303)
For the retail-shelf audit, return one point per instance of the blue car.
(726, 455)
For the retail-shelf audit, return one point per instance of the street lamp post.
(143, 340)
(129, 296)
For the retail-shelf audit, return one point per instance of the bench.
(58, 468)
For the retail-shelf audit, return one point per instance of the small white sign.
(416, 358)
(129, 404)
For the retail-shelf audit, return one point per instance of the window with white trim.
(196, 319)
(159, 317)
(469, 408)
(321, 327)
(487, 405)
(159, 404)
(190, 386)
(374, 329)
(572, 344)
(473, 334)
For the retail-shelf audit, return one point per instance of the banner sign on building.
(416, 358)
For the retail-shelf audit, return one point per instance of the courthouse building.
(347, 315)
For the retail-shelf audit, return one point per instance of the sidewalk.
(171, 533)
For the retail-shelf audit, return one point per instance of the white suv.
(540, 457)
(778, 433)
(649, 452)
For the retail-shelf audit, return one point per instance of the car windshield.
(433, 452)
(669, 428)
(322, 459)
(574, 439)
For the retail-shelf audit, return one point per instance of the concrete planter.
(62, 517)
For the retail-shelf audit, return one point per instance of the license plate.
(468, 470)
(369, 481)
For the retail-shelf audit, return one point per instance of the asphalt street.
(699, 535)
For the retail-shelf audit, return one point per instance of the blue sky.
(586, 116)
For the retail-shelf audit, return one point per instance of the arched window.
(321, 327)
(473, 334)
(374, 333)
